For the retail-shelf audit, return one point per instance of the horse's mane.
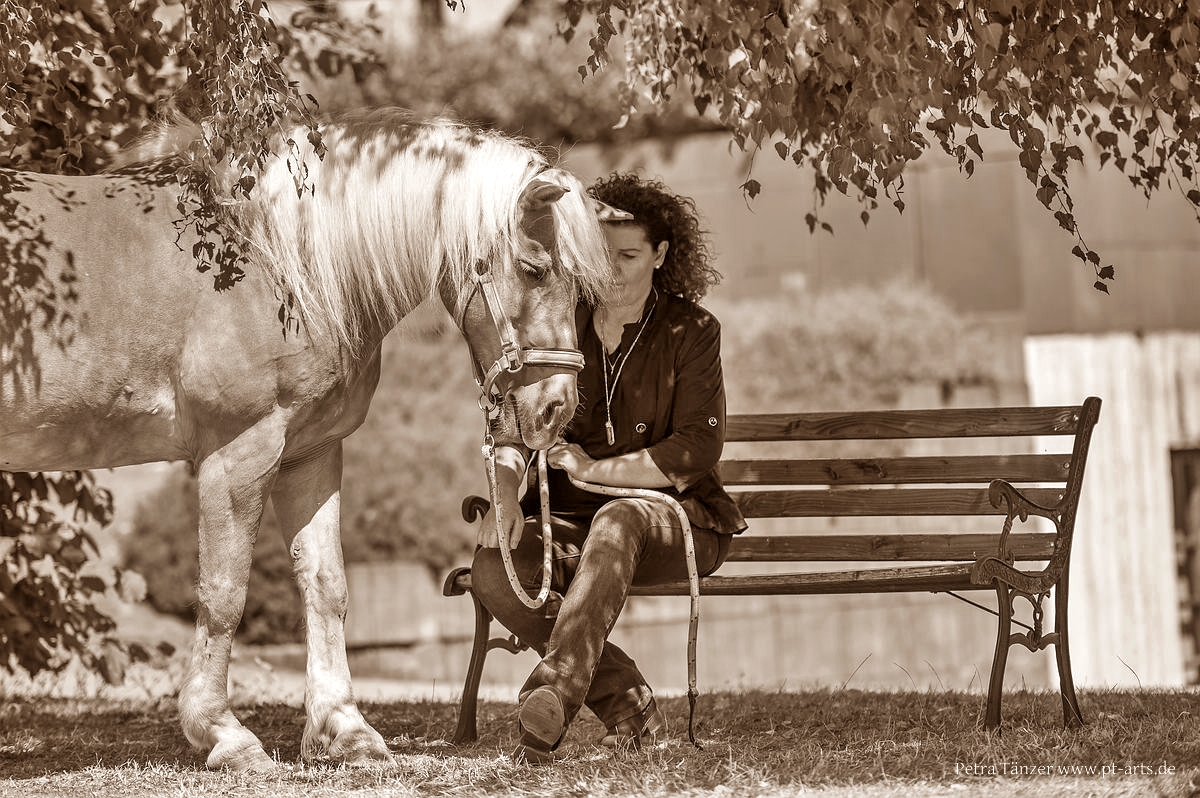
(398, 204)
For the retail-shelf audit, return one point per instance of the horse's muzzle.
(544, 407)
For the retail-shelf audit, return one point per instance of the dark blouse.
(668, 398)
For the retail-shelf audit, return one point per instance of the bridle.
(512, 359)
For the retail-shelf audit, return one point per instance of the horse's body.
(144, 361)
(157, 366)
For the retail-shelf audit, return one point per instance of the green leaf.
(1100, 286)
(751, 188)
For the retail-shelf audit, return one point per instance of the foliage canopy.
(855, 90)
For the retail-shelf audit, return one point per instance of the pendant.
(608, 428)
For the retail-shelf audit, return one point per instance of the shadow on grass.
(47, 736)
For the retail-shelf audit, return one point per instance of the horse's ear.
(541, 192)
(607, 213)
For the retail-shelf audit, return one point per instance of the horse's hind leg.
(233, 484)
(307, 500)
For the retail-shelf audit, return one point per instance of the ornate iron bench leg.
(1066, 684)
(467, 731)
(1000, 658)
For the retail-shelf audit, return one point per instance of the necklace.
(618, 367)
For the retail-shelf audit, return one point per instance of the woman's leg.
(630, 541)
(490, 582)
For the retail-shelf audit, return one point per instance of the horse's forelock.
(583, 250)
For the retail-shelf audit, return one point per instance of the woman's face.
(635, 260)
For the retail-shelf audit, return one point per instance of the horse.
(118, 346)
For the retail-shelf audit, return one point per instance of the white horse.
(115, 349)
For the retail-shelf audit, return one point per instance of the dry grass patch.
(834, 743)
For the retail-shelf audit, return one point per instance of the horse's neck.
(374, 327)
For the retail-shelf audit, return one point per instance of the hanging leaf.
(861, 83)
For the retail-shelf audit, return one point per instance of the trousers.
(629, 541)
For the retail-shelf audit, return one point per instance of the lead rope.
(489, 456)
(689, 551)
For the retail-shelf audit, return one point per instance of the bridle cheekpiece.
(513, 357)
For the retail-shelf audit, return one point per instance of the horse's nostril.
(554, 414)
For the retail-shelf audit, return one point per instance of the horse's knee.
(219, 606)
(322, 583)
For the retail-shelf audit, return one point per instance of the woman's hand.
(570, 457)
(512, 520)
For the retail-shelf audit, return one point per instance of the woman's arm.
(632, 470)
(697, 409)
(510, 476)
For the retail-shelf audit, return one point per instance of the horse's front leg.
(233, 485)
(307, 500)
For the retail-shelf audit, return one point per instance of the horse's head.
(519, 316)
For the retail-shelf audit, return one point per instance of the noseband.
(513, 357)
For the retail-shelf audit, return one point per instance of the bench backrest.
(777, 486)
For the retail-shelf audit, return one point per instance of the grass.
(757, 743)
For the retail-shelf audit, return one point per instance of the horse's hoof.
(364, 748)
(245, 758)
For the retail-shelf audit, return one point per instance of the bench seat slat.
(912, 547)
(890, 470)
(878, 502)
(882, 580)
(893, 424)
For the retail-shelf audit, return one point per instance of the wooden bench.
(868, 469)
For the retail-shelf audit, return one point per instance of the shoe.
(629, 734)
(542, 721)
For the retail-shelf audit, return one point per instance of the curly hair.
(687, 270)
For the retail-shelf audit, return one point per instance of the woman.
(651, 415)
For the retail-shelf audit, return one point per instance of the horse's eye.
(535, 271)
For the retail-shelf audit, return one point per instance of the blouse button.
(640, 428)
(712, 421)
